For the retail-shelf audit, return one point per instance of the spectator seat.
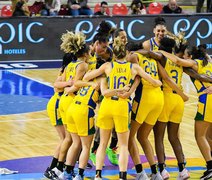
(64, 10)
(155, 8)
(36, 8)
(119, 9)
(6, 11)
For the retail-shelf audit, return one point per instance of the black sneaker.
(89, 166)
(47, 173)
(207, 175)
(54, 176)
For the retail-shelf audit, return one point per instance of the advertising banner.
(38, 38)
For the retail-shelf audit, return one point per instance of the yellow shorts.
(65, 102)
(80, 119)
(150, 106)
(53, 110)
(173, 108)
(114, 113)
(204, 112)
(136, 101)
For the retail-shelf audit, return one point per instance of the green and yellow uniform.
(115, 111)
(80, 114)
(173, 104)
(204, 112)
(92, 62)
(151, 101)
(66, 99)
(53, 109)
(153, 45)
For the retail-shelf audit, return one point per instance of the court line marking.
(45, 83)
(31, 61)
(187, 104)
(22, 120)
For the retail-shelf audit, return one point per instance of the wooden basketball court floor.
(27, 139)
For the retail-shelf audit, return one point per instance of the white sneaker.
(142, 176)
(156, 176)
(61, 176)
(56, 173)
(97, 178)
(165, 175)
(78, 177)
(183, 175)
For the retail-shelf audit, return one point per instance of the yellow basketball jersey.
(150, 66)
(113, 59)
(153, 45)
(205, 70)
(71, 69)
(87, 95)
(175, 72)
(140, 58)
(92, 62)
(120, 75)
(58, 94)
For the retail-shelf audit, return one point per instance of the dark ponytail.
(67, 58)
(200, 53)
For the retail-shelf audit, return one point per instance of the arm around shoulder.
(80, 71)
(146, 45)
(147, 77)
(95, 73)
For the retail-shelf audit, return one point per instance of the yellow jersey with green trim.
(204, 100)
(71, 69)
(150, 66)
(120, 75)
(153, 45)
(113, 59)
(203, 70)
(92, 62)
(87, 95)
(175, 72)
(140, 58)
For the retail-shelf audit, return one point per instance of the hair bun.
(160, 20)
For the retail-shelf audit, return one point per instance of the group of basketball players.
(93, 91)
